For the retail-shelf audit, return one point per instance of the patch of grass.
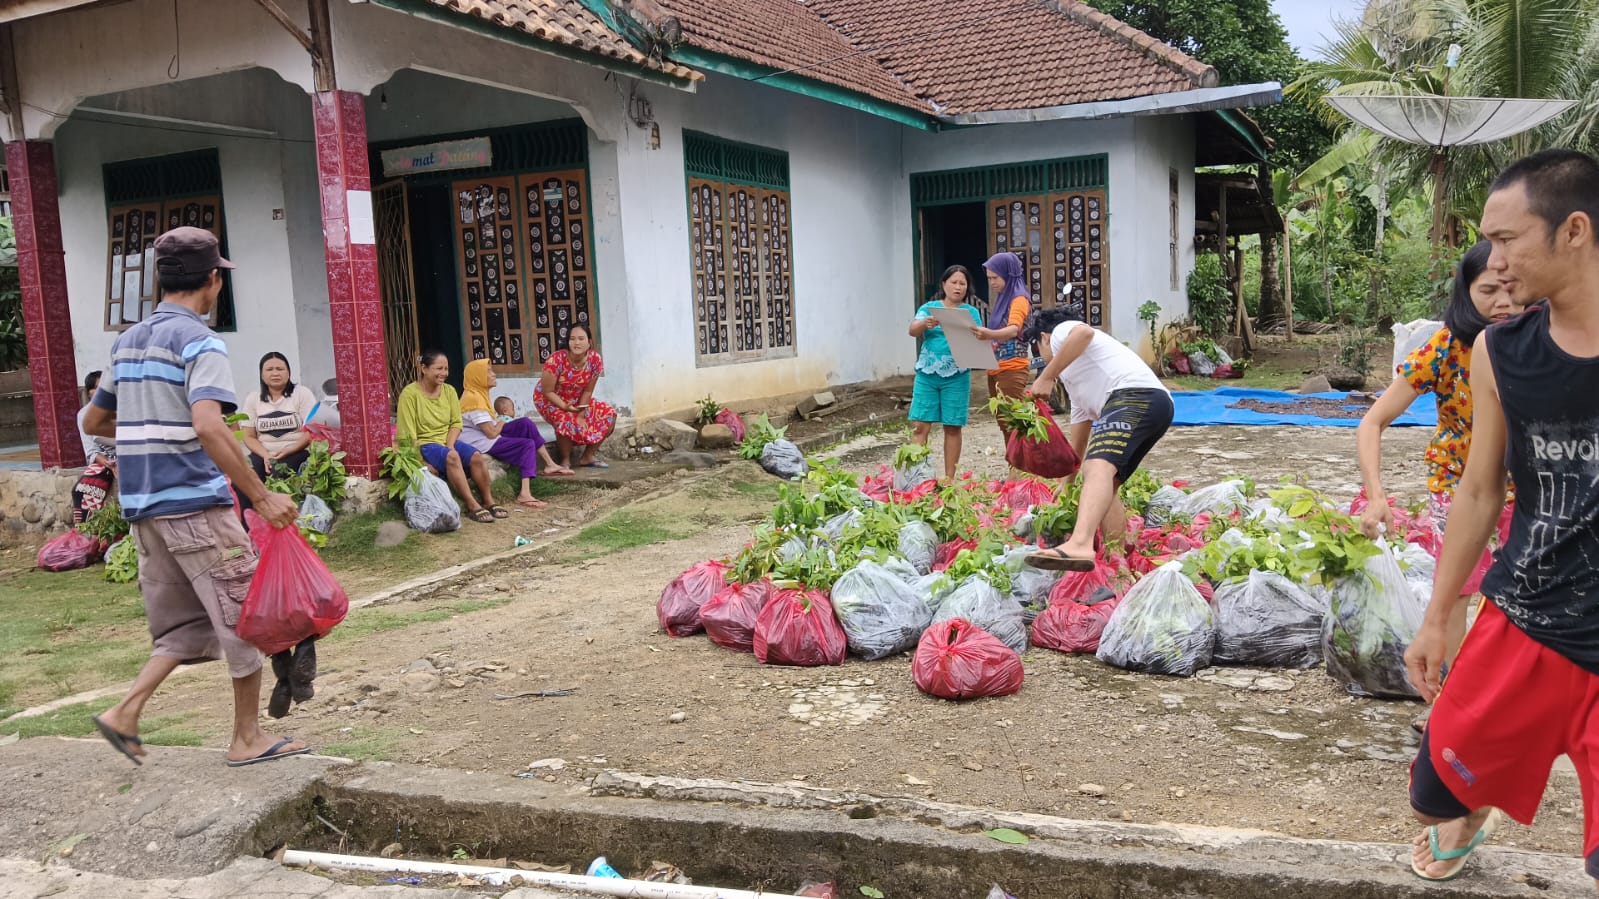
(766, 490)
(351, 542)
(626, 530)
(508, 486)
(373, 743)
(376, 621)
(1259, 378)
(61, 632)
(73, 721)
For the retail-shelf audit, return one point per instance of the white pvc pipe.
(607, 886)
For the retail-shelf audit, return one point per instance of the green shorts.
(942, 399)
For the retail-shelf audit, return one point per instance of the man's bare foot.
(1452, 837)
(260, 742)
(123, 727)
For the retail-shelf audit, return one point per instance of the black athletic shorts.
(1129, 426)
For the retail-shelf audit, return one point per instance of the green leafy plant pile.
(122, 562)
(1021, 416)
(757, 436)
(400, 464)
(1137, 490)
(986, 561)
(709, 409)
(323, 475)
(1318, 544)
(909, 455)
(106, 523)
(1056, 520)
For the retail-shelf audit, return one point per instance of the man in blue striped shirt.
(164, 399)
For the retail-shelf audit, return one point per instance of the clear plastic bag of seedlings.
(429, 507)
(913, 476)
(978, 602)
(1267, 619)
(1419, 568)
(1158, 510)
(833, 529)
(918, 544)
(315, 514)
(1162, 626)
(881, 613)
(1026, 527)
(1029, 587)
(1374, 616)
(783, 459)
(1217, 499)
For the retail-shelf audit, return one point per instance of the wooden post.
(1245, 327)
(322, 49)
(10, 103)
(1288, 277)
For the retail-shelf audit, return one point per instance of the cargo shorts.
(194, 571)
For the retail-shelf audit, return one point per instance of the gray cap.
(188, 251)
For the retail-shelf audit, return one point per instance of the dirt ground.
(1283, 751)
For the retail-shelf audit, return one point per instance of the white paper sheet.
(358, 212)
(969, 352)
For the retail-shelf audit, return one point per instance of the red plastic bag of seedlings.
(69, 551)
(1025, 494)
(947, 552)
(733, 422)
(959, 660)
(799, 628)
(681, 601)
(1085, 587)
(729, 616)
(292, 596)
(1051, 458)
(1073, 627)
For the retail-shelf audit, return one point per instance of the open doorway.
(953, 234)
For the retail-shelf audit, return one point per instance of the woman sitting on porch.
(429, 413)
(275, 419)
(516, 442)
(565, 397)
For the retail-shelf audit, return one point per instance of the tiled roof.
(788, 36)
(951, 56)
(566, 23)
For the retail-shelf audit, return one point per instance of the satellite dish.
(1440, 122)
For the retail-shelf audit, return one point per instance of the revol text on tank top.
(1546, 576)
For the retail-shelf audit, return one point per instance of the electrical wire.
(175, 67)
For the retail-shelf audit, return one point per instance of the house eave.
(1204, 99)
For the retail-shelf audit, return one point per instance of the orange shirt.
(1012, 355)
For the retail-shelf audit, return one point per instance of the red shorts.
(1509, 707)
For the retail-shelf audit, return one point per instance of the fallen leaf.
(124, 788)
(871, 892)
(1006, 835)
(535, 866)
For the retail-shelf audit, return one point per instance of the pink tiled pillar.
(46, 316)
(356, 305)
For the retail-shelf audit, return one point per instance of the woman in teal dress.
(943, 391)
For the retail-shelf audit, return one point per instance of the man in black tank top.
(1525, 687)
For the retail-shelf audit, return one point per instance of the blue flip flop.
(119, 741)
(1458, 857)
(272, 754)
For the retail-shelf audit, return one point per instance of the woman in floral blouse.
(1442, 367)
(565, 397)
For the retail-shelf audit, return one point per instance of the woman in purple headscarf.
(1010, 302)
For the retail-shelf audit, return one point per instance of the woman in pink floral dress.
(565, 397)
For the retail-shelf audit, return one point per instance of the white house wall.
(267, 287)
(1138, 223)
(850, 239)
(1163, 143)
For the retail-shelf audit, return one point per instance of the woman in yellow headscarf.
(516, 442)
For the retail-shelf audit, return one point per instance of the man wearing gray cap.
(163, 399)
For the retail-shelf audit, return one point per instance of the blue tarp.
(1212, 407)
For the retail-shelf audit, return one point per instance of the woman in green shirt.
(943, 390)
(430, 415)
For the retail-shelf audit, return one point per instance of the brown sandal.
(481, 515)
(1053, 559)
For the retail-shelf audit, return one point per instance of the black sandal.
(1054, 559)
(498, 512)
(482, 516)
